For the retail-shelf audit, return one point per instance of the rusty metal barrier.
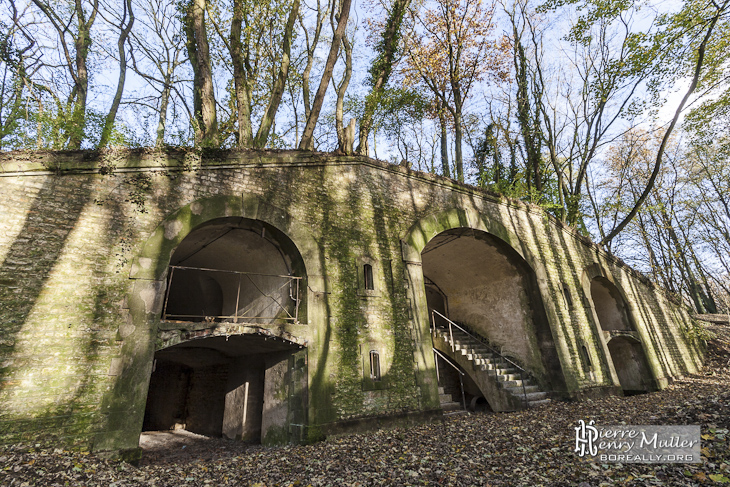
(284, 311)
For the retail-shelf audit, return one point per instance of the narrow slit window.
(368, 273)
(586, 357)
(374, 365)
(568, 299)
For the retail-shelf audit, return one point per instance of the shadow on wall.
(58, 267)
(33, 255)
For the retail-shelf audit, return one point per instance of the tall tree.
(124, 24)
(15, 48)
(667, 235)
(74, 45)
(451, 44)
(259, 44)
(381, 69)
(204, 103)
(343, 139)
(705, 30)
(310, 47)
(157, 53)
(341, 17)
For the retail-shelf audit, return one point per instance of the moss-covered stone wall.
(86, 239)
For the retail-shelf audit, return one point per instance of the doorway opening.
(233, 286)
(479, 282)
(237, 387)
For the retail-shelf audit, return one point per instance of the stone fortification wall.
(86, 238)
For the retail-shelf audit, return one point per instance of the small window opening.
(566, 295)
(586, 357)
(368, 272)
(374, 365)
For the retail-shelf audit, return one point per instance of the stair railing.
(461, 375)
(452, 325)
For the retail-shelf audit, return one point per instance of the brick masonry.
(86, 237)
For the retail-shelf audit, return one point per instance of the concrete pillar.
(244, 399)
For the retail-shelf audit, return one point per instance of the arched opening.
(235, 269)
(624, 346)
(609, 305)
(479, 282)
(630, 364)
(232, 284)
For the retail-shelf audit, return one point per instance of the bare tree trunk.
(262, 136)
(205, 108)
(457, 146)
(123, 35)
(191, 45)
(445, 170)
(243, 104)
(164, 102)
(307, 142)
(306, 95)
(381, 69)
(341, 89)
(81, 88)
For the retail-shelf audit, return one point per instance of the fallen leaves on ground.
(526, 448)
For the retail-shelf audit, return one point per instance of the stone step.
(481, 360)
(451, 406)
(506, 371)
(508, 377)
(538, 403)
(491, 367)
(444, 398)
(530, 396)
(441, 390)
(482, 352)
(517, 385)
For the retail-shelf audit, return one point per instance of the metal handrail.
(461, 375)
(481, 340)
(231, 272)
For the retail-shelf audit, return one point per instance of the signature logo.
(586, 436)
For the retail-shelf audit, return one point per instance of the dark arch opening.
(491, 290)
(236, 269)
(610, 306)
(626, 351)
(251, 385)
(630, 364)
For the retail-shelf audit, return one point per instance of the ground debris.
(526, 448)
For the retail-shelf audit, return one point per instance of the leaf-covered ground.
(527, 448)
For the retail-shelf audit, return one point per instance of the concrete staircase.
(499, 381)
